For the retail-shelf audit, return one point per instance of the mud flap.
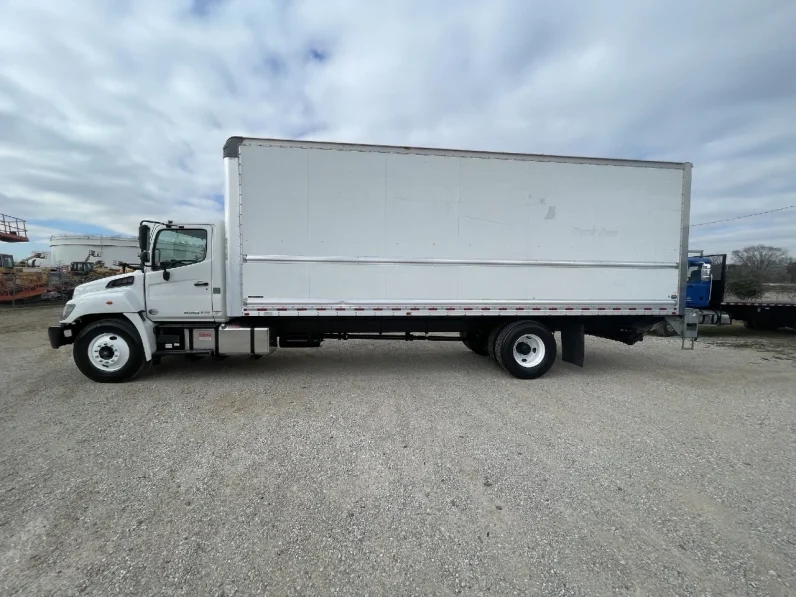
(573, 343)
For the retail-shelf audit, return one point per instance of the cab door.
(179, 286)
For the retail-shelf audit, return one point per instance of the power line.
(760, 213)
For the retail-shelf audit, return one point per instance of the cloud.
(119, 111)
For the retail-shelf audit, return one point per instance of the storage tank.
(66, 248)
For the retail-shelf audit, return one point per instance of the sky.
(112, 112)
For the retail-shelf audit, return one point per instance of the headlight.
(67, 311)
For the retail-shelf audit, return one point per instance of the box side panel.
(340, 225)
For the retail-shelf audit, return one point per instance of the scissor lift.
(13, 230)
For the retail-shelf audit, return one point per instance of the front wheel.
(525, 349)
(109, 351)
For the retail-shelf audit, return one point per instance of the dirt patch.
(779, 345)
(29, 318)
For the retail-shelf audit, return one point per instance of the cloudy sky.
(112, 111)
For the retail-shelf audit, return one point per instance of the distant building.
(66, 248)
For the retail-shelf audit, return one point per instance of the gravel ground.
(399, 469)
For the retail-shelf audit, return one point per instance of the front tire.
(109, 351)
(525, 349)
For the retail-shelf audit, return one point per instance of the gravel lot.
(400, 469)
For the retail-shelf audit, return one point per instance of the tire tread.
(501, 338)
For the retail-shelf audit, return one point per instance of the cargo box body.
(336, 229)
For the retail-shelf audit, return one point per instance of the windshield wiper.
(175, 262)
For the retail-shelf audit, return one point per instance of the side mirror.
(706, 272)
(144, 256)
(143, 237)
(166, 275)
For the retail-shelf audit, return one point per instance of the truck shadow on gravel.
(310, 363)
(315, 363)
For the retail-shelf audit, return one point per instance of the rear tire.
(525, 349)
(109, 351)
(490, 343)
(476, 341)
(665, 329)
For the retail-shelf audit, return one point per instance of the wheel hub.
(524, 348)
(109, 352)
(528, 350)
(106, 352)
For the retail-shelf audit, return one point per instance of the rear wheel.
(109, 351)
(490, 344)
(476, 341)
(525, 349)
(665, 329)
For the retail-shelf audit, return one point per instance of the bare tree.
(761, 260)
(792, 271)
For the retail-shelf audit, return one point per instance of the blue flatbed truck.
(705, 292)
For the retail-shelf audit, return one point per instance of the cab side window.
(177, 247)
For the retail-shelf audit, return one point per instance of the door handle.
(200, 284)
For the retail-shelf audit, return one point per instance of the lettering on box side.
(596, 232)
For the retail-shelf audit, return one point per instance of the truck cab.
(121, 322)
(81, 268)
(705, 289)
(699, 282)
(6, 264)
(706, 281)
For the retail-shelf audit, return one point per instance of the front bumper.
(60, 335)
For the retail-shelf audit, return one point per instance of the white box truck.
(343, 241)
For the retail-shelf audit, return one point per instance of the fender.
(127, 301)
(111, 301)
(146, 330)
(100, 300)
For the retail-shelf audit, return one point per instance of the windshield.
(177, 247)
